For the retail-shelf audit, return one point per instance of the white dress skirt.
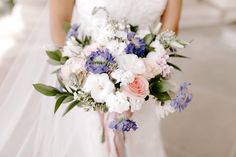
(28, 126)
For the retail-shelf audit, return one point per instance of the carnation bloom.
(124, 77)
(117, 102)
(138, 88)
(130, 62)
(99, 86)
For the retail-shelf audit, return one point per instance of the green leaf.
(63, 60)
(66, 27)
(163, 97)
(149, 38)
(59, 102)
(177, 55)
(174, 66)
(155, 79)
(133, 28)
(160, 86)
(46, 90)
(70, 107)
(149, 48)
(54, 55)
(68, 99)
(53, 62)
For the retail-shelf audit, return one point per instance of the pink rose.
(138, 88)
(90, 48)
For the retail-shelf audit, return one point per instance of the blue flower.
(100, 61)
(183, 98)
(136, 45)
(73, 32)
(124, 125)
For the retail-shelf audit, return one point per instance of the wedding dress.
(28, 126)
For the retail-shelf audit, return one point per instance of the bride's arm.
(60, 12)
(171, 16)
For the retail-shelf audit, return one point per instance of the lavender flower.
(183, 98)
(124, 125)
(100, 61)
(136, 45)
(73, 32)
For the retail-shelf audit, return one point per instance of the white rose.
(117, 102)
(99, 86)
(131, 62)
(125, 77)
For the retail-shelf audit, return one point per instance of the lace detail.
(144, 13)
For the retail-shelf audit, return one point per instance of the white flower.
(117, 102)
(74, 65)
(99, 86)
(71, 49)
(143, 32)
(158, 48)
(165, 110)
(131, 62)
(125, 77)
(116, 48)
(136, 103)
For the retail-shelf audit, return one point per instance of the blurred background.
(208, 127)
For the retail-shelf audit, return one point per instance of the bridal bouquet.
(115, 69)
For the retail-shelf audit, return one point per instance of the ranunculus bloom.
(73, 66)
(138, 88)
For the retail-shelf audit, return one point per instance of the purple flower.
(73, 32)
(124, 125)
(100, 61)
(131, 35)
(136, 46)
(183, 98)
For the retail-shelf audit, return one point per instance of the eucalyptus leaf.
(149, 38)
(46, 90)
(174, 66)
(59, 102)
(54, 55)
(70, 107)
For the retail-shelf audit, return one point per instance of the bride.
(28, 127)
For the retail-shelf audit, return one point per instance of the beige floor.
(208, 127)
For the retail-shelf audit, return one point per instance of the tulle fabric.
(29, 128)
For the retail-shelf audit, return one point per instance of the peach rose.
(152, 69)
(138, 88)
